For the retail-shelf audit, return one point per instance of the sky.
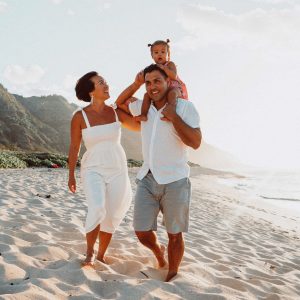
(239, 59)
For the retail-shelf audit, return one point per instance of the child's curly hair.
(161, 42)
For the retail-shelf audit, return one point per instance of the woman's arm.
(170, 70)
(74, 149)
(128, 121)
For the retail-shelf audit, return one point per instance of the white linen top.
(164, 152)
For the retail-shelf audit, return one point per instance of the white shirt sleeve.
(135, 107)
(190, 115)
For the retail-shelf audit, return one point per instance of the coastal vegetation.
(21, 159)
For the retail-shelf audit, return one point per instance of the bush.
(133, 163)
(18, 159)
(32, 161)
(9, 160)
(59, 160)
(40, 159)
(47, 163)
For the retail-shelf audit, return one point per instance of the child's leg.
(145, 108)
(173, 94)
(146, 104)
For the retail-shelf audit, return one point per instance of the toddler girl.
(160, 52)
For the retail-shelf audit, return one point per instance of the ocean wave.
(275, 198)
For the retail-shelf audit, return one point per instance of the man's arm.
(129, 92)
(190, 136)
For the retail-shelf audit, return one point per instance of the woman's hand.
(72, 184)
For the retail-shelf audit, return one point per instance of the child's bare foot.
(161, 258)
(164, 119)
(89, 260)
(141, 118)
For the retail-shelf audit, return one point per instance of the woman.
(104, 173)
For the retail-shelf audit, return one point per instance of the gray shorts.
(172, 199)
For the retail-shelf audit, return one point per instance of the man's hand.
(169, 113)
(139, 78)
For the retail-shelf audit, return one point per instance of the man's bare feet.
(170, 275)
(89, 260)
(161, 257)
(141, 118)
(101, 259)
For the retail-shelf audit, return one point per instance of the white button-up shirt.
(164, 152)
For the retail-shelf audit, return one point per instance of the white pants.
(108, 197)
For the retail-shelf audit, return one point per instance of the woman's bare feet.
(101, 258)
(89, 260)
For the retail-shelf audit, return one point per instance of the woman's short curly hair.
(84, 86)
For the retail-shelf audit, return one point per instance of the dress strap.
(114, 106)
(87, 123)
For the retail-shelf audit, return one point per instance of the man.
(162, 181)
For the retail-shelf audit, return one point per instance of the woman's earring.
(92, 98)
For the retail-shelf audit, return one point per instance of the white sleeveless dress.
(104, 176)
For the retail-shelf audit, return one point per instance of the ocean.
(280, 189)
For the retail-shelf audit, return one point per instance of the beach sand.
(235, 248)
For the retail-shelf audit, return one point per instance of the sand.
(235, 249)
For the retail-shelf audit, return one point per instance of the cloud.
(257, 28)
(26, 82)
(275, 1)
(107, 5)
(56, 1)
(70, 12)
(3, 6)
(42, 89)
(19, 75)
(103, 5)
(70, 81)
(243, 73)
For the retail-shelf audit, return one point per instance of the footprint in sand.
(11, 272)
(124, 266)
(46, 253)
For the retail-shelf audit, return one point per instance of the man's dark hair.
(84, 86)
(154, 67)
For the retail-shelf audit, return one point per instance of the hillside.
(19, 129)
(43, 124)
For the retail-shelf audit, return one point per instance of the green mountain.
(19, 129)
(43, 124)
(55, 113)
